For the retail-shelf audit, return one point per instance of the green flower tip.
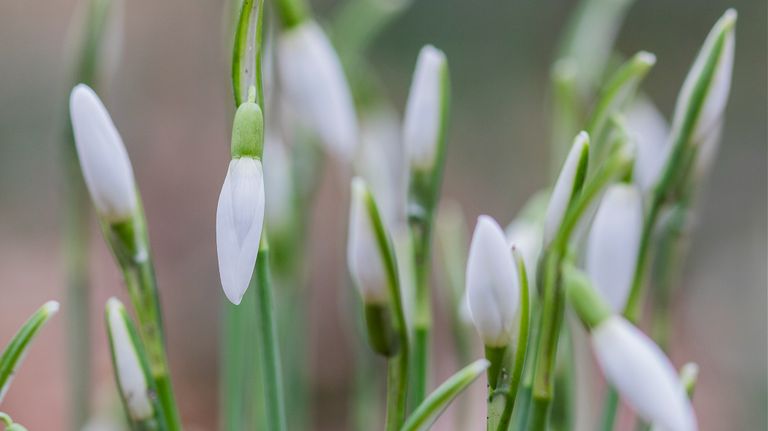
(586, 301)
(248, 130)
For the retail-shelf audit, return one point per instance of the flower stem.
(266, 331)
(420, 236)
(610, 406)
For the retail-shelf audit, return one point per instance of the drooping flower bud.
(642, 375)
(492, 284)
(103, 159)
(131, 371)
(239, 222)
(568, 184)
(426, 109)
(613, 242)
(240, 212)
(316, 88)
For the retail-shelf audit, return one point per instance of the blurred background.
(171, 100)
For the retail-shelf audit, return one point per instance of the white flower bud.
(711, 112)
(127, 362)
(313, 80)
(239, 221)
(364, 255)
(650, 131)
(103, 159)
(423, 123)
(564, 186)
(642, 375)
(613, 242)
(492, 285)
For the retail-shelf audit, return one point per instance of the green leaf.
(589, 38)
(700, 103)
(14, 352)
(614, 96)
(431, 408)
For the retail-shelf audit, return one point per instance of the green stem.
(420, 235)
(397, 390)
(129, 244)
(611, 404)
(522, 345)
(269, 359)
(633, 307)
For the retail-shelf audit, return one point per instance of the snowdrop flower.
(103, 159)
(313, 80)
(129, 370)
(613, 243)
(649, 130)
(240, 212)
(642, 374)
(568, 183)
(492, 285)
(719, 42)
(364, 255)
(630, 361)
(425, 112)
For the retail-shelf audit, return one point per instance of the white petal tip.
(646, 58)
(52, 307)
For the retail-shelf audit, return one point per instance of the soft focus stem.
(130, 246)
(420, 235)
(266, 334)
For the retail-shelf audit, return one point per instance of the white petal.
(650, 131)
(130, 374)
(366, 263)
(492, 286)
(239, 220)
(642, 374)
(563, 190)
(103, 159)
(422, 123)
(525, 236)
(382, 163)
(315, 86)
(717, 94)
(613, 243)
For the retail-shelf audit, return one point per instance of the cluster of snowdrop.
(585, 244)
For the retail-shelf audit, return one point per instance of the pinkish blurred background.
(170, 99)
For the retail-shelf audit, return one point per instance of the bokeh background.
(170, 98)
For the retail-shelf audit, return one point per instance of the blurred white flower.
(382, 163)
(650, 131)
(103, 159)
(128, 367)
(492, 285)
(315, 86)
(278, 182)
(364, 255)
(526, 236)
(239, 221)
(642, 375)
(422, 125)
(613, 242)
(563, 190)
